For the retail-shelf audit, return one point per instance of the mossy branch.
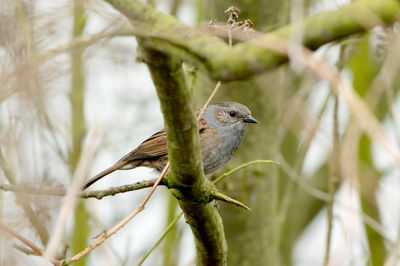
(247, 58)
(186, 175)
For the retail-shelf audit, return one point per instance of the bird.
(221, 129)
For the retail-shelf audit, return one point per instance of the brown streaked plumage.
(221, 130)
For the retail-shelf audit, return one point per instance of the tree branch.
(247, 58)
(98, 194)
(193, 191)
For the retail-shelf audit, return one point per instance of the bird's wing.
(152, 148)
(155, 146)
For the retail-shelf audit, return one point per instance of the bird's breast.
(218, 146)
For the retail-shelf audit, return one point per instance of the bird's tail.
(100, 175)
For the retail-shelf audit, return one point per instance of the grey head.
(228, 121)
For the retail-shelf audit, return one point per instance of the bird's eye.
(232, 113)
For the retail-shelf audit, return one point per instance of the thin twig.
(98, 194)
(26, 189)
(169, 227)
(24, 249)
(221, 177)
(208, 100)
(334, 171)
(36, 249)
(301, 182)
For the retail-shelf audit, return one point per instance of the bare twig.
(169, 227)
(36, 249)
(209, 100)
(26, 189)
(221, 177)
(98, 194)
(301, 182)
(333, 177)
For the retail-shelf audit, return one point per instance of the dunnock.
(221, 130)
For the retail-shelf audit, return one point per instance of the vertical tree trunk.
(266, 235)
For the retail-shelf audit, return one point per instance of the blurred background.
(334, 184)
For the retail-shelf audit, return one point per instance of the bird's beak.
(250, 119)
